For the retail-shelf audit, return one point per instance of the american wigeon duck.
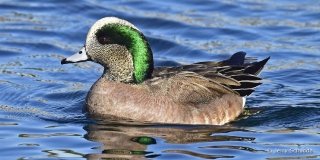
(130, 86)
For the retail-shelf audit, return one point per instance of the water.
(41, 100)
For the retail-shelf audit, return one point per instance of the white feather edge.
(243, 101)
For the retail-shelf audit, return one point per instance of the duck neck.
(111, 75)
(120, 70)
(138, 46)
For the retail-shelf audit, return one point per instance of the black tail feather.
(244, 72)
(236, 59)
(256, 67)
(247, 77)
(244, 92)
(247, 84)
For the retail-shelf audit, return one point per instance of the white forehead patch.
(110, 20)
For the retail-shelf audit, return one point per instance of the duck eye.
(104, 40)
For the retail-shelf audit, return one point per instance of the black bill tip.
(64, 61)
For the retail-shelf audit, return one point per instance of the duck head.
(120, 48)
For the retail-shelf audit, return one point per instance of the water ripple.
(41, 100)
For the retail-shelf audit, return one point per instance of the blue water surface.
(41, 100)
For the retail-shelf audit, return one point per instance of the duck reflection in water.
(122, 138)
